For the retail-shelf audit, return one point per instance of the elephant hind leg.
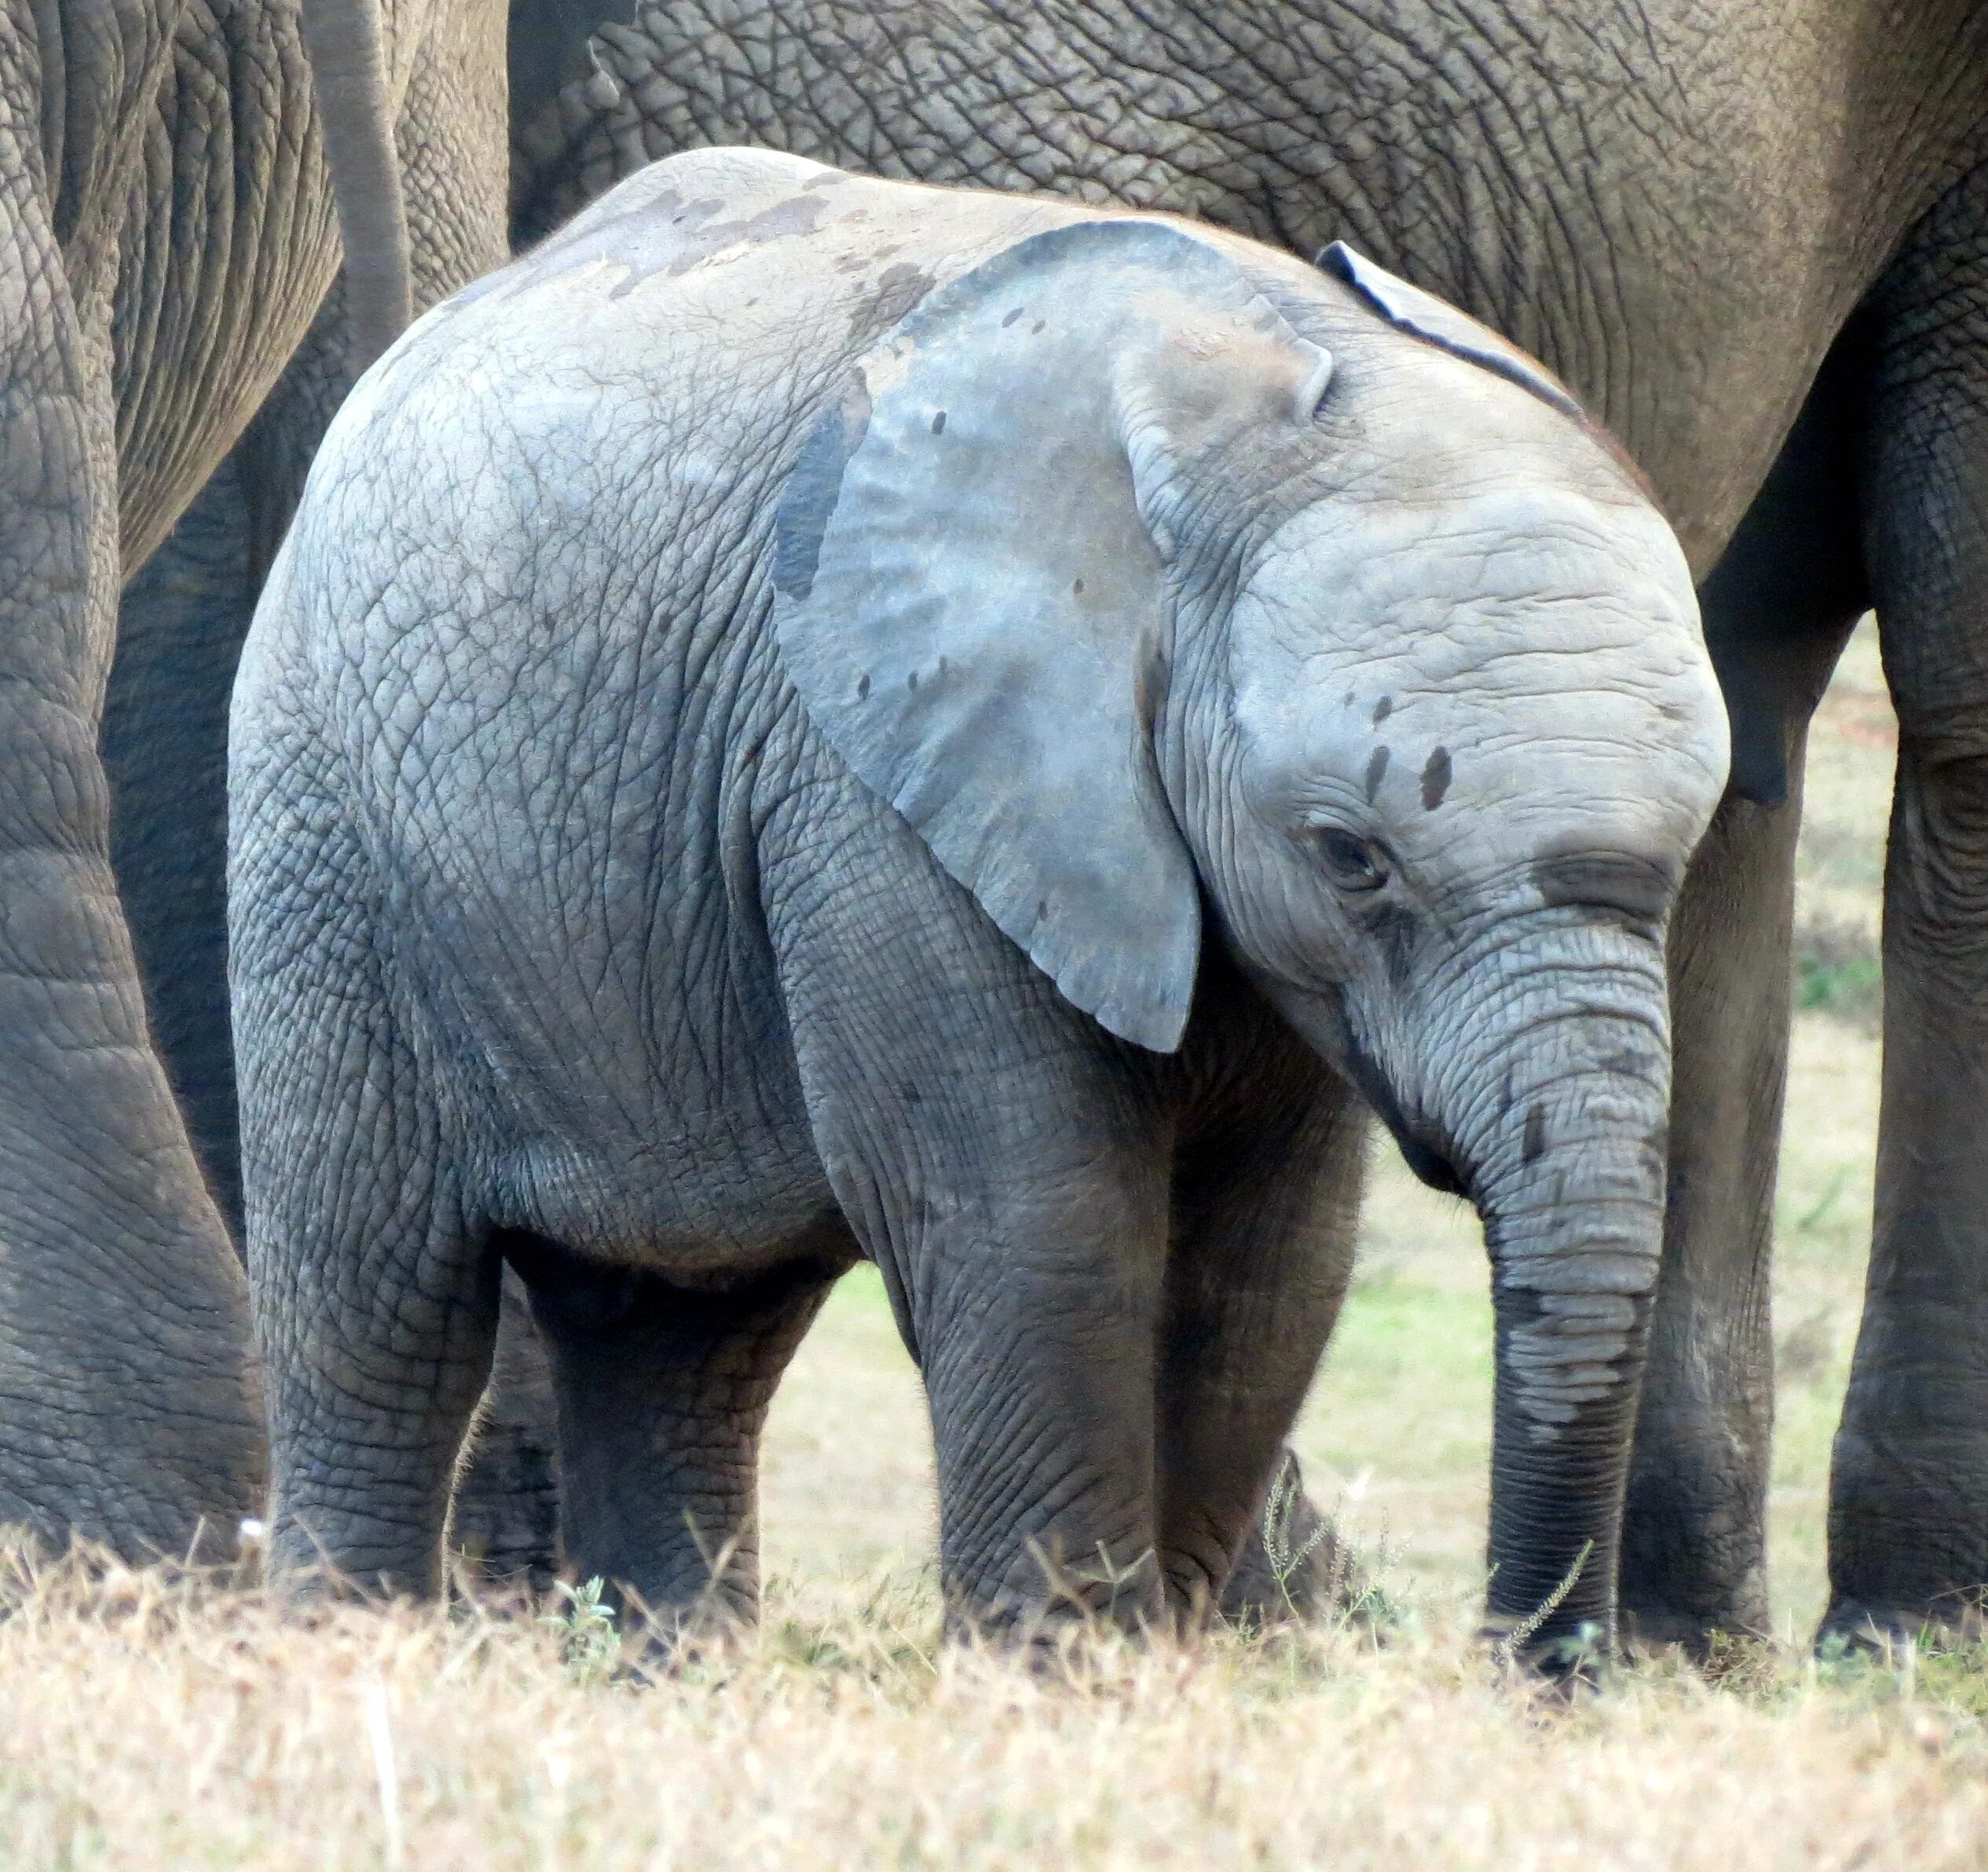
(504, 1520)
(1909, 1487)
(1777, 610)
(661, 1392)
(375, 1290)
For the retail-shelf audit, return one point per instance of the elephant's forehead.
(1524, 668)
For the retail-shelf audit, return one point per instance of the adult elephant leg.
(1908, 1490)
(662, 1393)
(1265, 1207)
(129, 1414)
(186, 611)
(181, 625)
(1776, 609)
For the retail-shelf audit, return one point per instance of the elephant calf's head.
(1125, 573)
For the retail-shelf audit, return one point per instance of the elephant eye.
(1353, 864)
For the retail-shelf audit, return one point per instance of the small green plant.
(592, 1641)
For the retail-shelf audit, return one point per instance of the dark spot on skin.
(1076, 587)
(1534, 1144)
(1376, 772)
(781, 222)
(898, 289)
(1348, 702)
(1383, 709)
(939, 423)
(1011, 318)
(1436, 779)
(1042, 910)
(1392, 926)
(813, 489)
(862, 687)
(1636, 889)
(1037, 326)
(911, 680)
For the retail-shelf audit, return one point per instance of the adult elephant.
(1753, 236)
(167, 233)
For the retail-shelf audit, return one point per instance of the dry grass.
(150, 1724)
(144, 1723)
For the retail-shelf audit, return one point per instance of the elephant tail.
(348, 69)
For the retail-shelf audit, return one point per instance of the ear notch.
(972, 601)
(1442, 324)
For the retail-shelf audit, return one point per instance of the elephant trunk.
(1571, 1195)
(1558, 1127)
(349, 70)
(1574, 1264)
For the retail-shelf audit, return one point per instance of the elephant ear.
(1444, 325)
(974, 607)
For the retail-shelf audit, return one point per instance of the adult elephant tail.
(349, 67)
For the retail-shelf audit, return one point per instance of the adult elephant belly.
(229, 242)
(1682, 251)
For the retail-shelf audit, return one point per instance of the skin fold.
(811, 718)
(1750, 236)
(167, 237)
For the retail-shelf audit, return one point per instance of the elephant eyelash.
(1354, 863)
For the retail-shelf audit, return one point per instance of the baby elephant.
(812, 718)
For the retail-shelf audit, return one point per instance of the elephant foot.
(1704, 1637)
(1858, 1628)
(1295, 1567)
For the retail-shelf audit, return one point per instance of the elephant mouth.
(1428, 1163)
(1431, 1156)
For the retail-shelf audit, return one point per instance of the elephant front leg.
(1262, 1251)
(1016, 1198)
(661, 1393)
(1908, 1489)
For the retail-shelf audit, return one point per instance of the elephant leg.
(662, 1391)
(184, 613)
(504, 1519)
(1909, 1488)
(181, 625)
(1262, 1251)
(129, 1413)
(1007, 1167)
(1777, 610)
(375, 1287)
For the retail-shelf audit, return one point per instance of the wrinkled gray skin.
(167, 237)
(1753, 236)
(1268, 699)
